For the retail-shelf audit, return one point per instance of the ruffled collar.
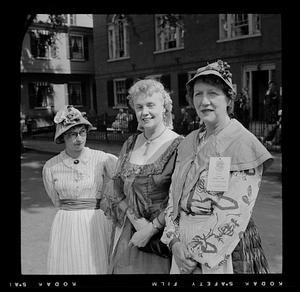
(83, 158)
(128, 168)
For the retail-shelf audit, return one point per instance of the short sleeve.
(49, 185)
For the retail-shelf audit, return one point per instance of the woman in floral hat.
(214, 186)
(75, 180)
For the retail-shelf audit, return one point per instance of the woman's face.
(149, 110)
(210, 102)
(75, 139)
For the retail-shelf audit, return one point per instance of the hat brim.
(190, 83)
(61, 129)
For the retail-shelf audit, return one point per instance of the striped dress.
(79, 239)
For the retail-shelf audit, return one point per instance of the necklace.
(148, 141)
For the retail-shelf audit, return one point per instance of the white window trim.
(154, 76)
(118, 105)
(156, 16)
(112, 54)
(83, 48)
(168, 50)
(249, 35)
(118, 59)
(69, 93)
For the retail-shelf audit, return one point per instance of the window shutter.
(83, 93)
(182, 80)
(166, 81)
(128, 84)
(86, 47)
(32, 95)
(110, 93)
(33, 44)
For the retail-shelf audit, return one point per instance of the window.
(76, 47)
(120, 92)
(40, 47)
(75, 93)
(238, 25)
(169, 32)
(118, 37)
(70, 19)
(40, 94)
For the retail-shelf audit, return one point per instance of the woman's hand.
(141, 237)
(140, 223)
(183, 258)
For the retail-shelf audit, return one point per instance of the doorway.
(260, 81)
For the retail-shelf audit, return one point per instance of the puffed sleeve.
(214, 241)
(49, 185)
(116, 193)
(171, 229)
(109, 165)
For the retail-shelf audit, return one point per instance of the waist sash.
(80, 204)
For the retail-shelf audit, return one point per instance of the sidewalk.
(48, 146)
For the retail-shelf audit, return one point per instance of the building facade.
(57, 74)
(171, 48)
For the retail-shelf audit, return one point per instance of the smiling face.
(210, 103)
(75, 139)
(149, 110)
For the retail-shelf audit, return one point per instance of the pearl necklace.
(148, 141)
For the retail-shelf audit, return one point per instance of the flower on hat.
(68, 116)
(219, 66)
(223, 68)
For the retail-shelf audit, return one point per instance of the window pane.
(168, 35)
(77, 47)
(240, 25)
(75, 95)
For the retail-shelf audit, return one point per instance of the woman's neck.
(73, 154)
(216, 128)
(154, 132)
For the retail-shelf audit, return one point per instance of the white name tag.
(218, 174)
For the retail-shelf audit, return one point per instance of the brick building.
(128, 47)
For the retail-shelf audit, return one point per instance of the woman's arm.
(49, 185)
(216, 239)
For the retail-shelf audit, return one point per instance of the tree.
(53, 23)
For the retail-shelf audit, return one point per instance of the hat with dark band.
(67, 118)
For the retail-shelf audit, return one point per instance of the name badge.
(218, 174)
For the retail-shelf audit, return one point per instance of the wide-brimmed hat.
(67, 118)
(219, 69)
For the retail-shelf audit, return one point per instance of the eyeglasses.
(74, 134)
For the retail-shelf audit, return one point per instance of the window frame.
(112, 34)
(51, 52)
(159, 42)
(116, 102)
(80, 95)
(70, 48)
(37, 86)
(227, 35)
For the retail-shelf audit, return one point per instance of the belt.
(79, 204)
